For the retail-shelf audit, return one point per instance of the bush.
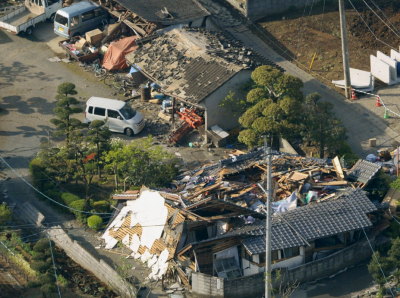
(102, 206)
(62, 280)
(42, 245)
(32, 284)
(56, 254)
(37, 171)
(40, 266)
(55, 195)
(46, 278)
(80, 205)
(68, 198)
(39, 256)
(48, 288)
(95, 222)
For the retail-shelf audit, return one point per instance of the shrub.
(37, 171)
(46, 278)
(62, 280)
(55, 195)
(32, 284)
(42, 245)
(80, 205)
(48, 288)
(39, 256)
(102, 206)
(95, 222)
(68, 198)
(40, 266)
(56, 254)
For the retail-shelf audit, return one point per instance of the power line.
(380, 18)
(54, 265)
(304, 28)
(385, 16)
(369, 27)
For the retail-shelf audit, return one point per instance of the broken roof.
(293, 228)
(192, 63)
(166, 12)
(363, 171)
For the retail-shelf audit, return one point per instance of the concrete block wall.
(207, 286)
(249, 286)
(255, 9)
(98, 267)
(331, 264)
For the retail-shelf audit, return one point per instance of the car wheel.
(129, 132)
(51, 19)
(29, 30)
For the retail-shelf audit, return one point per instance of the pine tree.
(66, 106)
(99, 135)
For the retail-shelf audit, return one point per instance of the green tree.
(5, 214)
(66, 106)
(99, 135)
(379, 186)
(115, 159)
(375, 270)
(273, 106)
(394, 252)
(320, 126)
(142, 163)
(95, 222)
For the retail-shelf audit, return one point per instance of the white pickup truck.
(26, 17)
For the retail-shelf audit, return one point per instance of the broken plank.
(338, 168)
(212, 187)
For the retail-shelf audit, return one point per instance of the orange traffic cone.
(378, 101)
(353, 94)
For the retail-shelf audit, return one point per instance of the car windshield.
(128, 112)
(61, 20)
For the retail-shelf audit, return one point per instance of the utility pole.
(268, 224)
(345, 53)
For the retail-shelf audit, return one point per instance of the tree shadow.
(30, 106)
(20, 72)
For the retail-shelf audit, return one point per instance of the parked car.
(119, 116)
(79, 18)
(28, 15)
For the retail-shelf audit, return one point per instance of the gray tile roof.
(182, 11)
(363, 171)
(314, 221)
(192, 63)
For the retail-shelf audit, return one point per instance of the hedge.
(46, 278)
(68, 198)
(42, 245)
(102, 206)
(80, 205)
(37, 171)
(40, 266)
(48, 288)
(95, 222)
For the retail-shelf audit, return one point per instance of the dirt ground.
(296, 35)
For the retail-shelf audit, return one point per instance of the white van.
(119, 116)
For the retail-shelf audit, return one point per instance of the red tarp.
(115, 56)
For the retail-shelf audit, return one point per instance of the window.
(90, 110)
(227, 268)
(98, 12)
(274, 255)
(61, 20)
(113, 114)
(74, 21)
(291, 252)
(128, 112)
(100, 111)
(88, 15)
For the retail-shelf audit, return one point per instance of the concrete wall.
(250, 269)
(221, 116)
(206, 286)
(291, 262)
(255, 9)
(253, 285)
(333, 263)
(84, 258)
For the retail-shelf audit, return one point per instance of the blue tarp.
(285, 205)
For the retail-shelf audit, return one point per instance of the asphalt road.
(28, 83)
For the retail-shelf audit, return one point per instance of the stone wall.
(84, 258)
(78, 253)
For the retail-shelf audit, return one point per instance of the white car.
(119, 116)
